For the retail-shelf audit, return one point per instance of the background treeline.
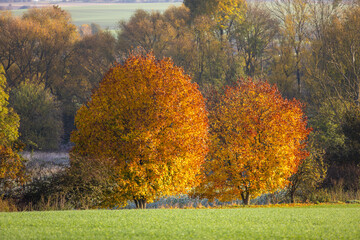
(89, 1)
(309, 49)
(51, 70)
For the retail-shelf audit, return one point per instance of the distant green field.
(320, 222)
(107, 16)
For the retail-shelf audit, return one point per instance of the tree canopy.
(40, 116)
(148, 122)
(258, 140)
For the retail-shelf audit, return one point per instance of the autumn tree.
(182, 46)
(258, 141)
(229, 13)
(225, 12)
(214, 30)
(196, 46)
(90, 59)
(200, 7)
(148, 122)
(334, 77)
(166, 34)
(12, 167)
(319, 84)
(253, 38)
(9, 123)
(294, 17)
(214, 62)
(153, 31)
(144, 29)
(35, 46)
(341, 72)
(44, 48)
(17, 45)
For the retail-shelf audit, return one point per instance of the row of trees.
(50, 70)
(47, 71)
(147, 124)
(307, 48)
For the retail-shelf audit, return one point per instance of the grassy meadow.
(311, 222)
(106, 15)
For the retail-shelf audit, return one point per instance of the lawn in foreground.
(321, 222)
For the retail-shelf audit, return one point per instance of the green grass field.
(107, 16)
(317, 222)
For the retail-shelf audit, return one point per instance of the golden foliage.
(229, 11)
(11, 164)
(35, 45)
(224, 12)
(258, 141)
(12, 168)
(148, 121)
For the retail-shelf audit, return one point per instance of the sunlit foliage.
(258, 140)
(148, 122)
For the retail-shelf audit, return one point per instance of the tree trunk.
(298, 81)
(292, 196)
(357, 101)
(246, 198)
(140, 203)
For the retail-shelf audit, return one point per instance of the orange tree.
(148, 122)
(258, 141)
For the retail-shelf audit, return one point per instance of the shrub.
(40, 116)
(6, 205)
